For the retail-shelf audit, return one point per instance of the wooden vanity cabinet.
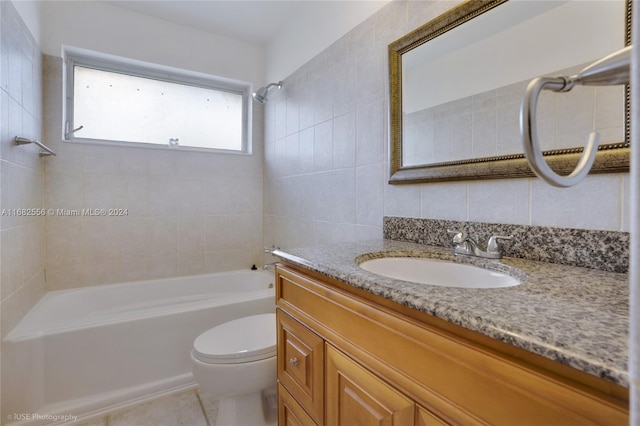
(346, 357)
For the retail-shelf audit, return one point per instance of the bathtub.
(84, 352)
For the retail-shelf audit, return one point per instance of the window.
(114, 101)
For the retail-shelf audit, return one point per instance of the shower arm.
(266, 88)
(610, 70)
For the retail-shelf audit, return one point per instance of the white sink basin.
(438, 272)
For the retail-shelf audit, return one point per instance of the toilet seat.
(246, 339)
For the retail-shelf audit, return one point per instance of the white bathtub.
(87, 351)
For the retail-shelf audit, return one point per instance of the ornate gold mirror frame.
(611, 158)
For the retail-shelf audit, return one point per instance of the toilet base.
(255, 409)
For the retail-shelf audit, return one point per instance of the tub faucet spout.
(269, 266)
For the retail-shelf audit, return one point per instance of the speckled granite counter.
(575, 316)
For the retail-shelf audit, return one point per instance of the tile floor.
(190, 408)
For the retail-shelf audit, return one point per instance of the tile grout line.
(204, 413)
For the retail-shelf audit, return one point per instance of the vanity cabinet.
(347, 357)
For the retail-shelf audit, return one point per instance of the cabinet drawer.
(301, 364)
(289, 412)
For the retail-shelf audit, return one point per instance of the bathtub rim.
(15, 335)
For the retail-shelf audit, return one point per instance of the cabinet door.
(427, 418)
(301, 364)
(355, 397)
(289, 411)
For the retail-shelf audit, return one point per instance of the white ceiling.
(253, 21)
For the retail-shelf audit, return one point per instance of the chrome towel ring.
(608, 71)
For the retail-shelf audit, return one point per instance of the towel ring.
(532, 150)
(610, 70)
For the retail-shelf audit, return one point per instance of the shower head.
(261, 95)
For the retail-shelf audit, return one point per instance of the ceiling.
(252, 21)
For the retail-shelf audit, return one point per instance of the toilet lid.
(243, 340)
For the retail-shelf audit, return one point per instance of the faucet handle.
(493, 245)
(458, 236)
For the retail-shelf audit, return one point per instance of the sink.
(438, 272)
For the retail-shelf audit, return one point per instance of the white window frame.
(77, 57)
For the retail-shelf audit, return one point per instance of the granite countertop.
(572, 315)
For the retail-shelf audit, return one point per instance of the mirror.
(457, 82)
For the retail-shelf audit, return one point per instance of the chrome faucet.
(465, 245)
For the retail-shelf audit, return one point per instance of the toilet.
(236, 363)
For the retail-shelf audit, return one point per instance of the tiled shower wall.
(22, 280)
(327, 164)
(187, 212)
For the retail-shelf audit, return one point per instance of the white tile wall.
(21, 170)
(187, 212)
(597, 204)
(345, 88)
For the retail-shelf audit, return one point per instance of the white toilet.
(236, 362)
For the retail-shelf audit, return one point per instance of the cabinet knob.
(293, 361)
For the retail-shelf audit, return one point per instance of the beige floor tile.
(210, 406)
(100, 421)
(175, 410)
